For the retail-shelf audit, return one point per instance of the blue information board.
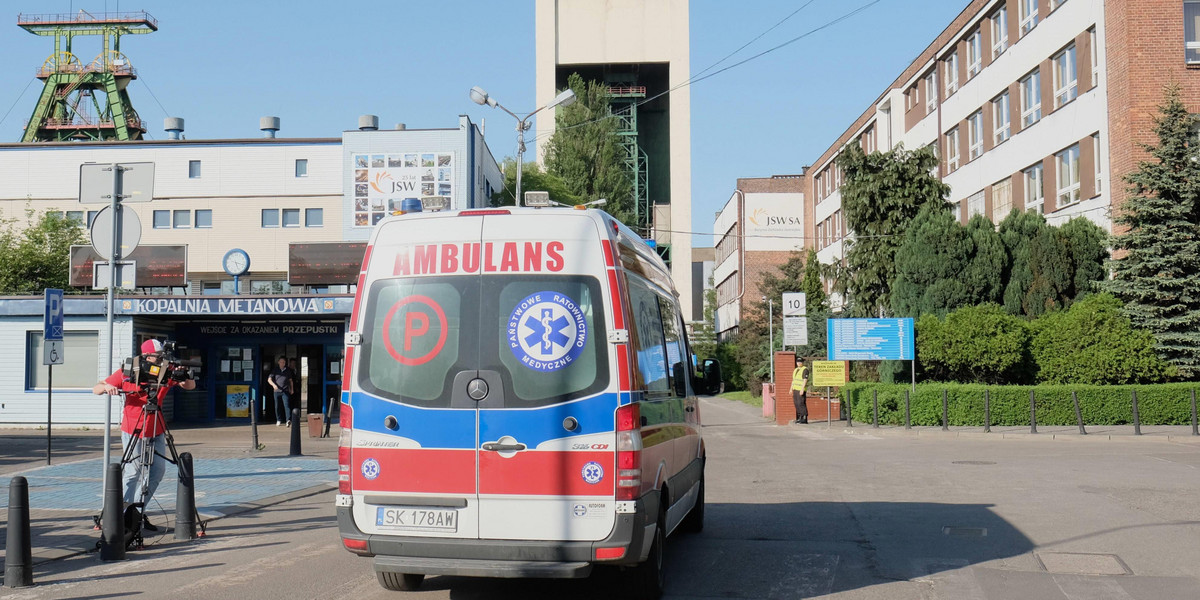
(870, 339)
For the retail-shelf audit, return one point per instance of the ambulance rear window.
(544, 335)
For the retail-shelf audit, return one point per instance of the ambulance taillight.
(629, 451)
(345, 441)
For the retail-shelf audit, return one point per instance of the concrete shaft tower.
(85, 102)
(639, 49)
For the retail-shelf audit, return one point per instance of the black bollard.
(1078, 415)
(907, 411)
(295, 451)
(987, 412)
(185, 500)
(1137, 419)
(875, 408)
(1032, 413)
(1195, 431)
(18, 558)
(254, 423)
(945, 412)
(112, 519)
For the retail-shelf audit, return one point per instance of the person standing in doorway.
(799, 383)
(281, 381)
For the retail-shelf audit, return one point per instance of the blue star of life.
(547, 331)
(370, 468)
(593, 472)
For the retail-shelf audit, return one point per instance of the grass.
(744, 397)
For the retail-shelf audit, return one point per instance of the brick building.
(1030, 104)
(759, 226)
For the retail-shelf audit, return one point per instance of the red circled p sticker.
(416, 325)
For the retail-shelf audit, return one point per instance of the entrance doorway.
(307, 361)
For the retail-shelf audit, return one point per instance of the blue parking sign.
(54, 315)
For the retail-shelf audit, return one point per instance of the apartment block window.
(1095, 57)
(301, 167)
(975, 204)
(952, 150)
(194, 169)
(314, 217)
(204, 218)
(1191, 32)
(1001, 121)
(291, 217)
(1096, 150)
(1000, 31)
(270, 217)
(1035, 195)
(1001, 199)
(91, 216)
(75, 216)
(975, 135)
(1067, 168)
(974, 54)
(1029, 15)
(930, 93)
(1031, 99)
(1065, 77)
(181, 219)
(950, 64)
(162, 219)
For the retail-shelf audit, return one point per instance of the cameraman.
(153, 426)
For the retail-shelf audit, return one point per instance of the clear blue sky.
(222, 64)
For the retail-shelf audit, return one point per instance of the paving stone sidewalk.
(231, 478)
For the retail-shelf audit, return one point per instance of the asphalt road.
(794, 512)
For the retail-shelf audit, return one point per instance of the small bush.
(974, 344)
(1093, 343)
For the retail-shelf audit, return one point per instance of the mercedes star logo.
(477, 389)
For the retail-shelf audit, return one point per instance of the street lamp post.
(771, 335)
(482, 98)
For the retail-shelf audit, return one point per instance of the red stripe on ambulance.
(545, 473)
(416, 471)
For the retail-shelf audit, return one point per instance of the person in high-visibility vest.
(799, 382)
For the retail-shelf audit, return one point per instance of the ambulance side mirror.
(710, 378)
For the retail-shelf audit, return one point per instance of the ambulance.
(519, 401)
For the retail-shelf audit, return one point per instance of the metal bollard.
(1137, 419)
(1032, 413)
(945, 412)
(112, 519)
(254, 422)
(1194, 430)
(1078, 415)
(907, 412)
(875, 407)
(18, 558)
(185, 500)
(987, 412)
(295, 450)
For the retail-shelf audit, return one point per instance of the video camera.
(152, 376)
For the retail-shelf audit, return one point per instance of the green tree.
(941, 265)
(1016, 231)
(1093, 343)
(1158, 278)
(585, 151)
(754, 339)
(881, 195)
(974, 344)
(38, 256)
(533, 178)
(1049, 267)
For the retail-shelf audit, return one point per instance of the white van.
(519, 400)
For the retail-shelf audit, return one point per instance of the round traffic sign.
(129, 234)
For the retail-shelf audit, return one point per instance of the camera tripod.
(141, 453)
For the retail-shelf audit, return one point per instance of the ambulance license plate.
(410, 518)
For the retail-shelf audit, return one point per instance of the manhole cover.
(1072, 563)
(973, 462)
(965, 531)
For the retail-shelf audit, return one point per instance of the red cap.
(151, 346)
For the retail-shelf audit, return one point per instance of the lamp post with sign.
(114, 184)
(478, 96)
(52, 351)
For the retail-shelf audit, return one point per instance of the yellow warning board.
(829, 373)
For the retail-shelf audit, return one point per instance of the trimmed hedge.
(1158, 404)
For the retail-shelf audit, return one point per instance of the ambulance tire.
(694, 521)
(649, 578)
(400, 582)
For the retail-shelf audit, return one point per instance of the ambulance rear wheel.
(649, 578)
(694, 521)
(400, 582)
